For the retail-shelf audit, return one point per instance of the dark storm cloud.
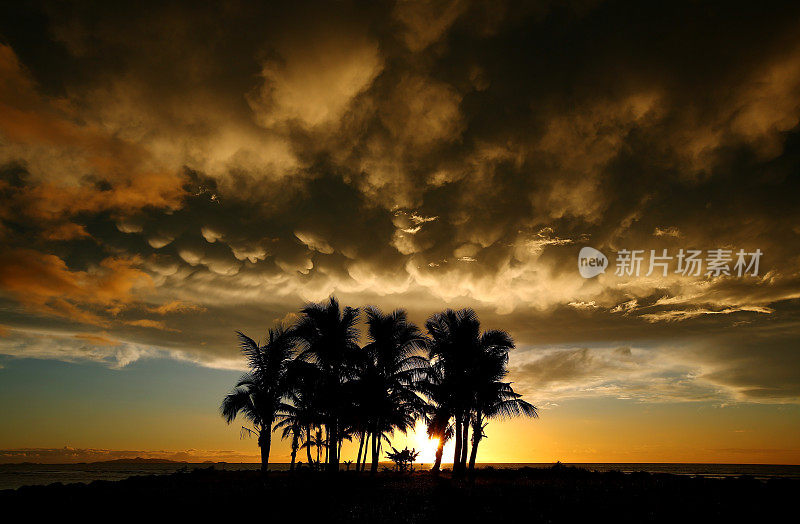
(170, 174)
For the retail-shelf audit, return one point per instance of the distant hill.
(139, 460)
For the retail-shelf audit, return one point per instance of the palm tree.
(303, 414)
(296, 419)
(454, 350)
(438, 413)
(390, 374)
(315, 384)
(440, 428)
(329, 339)
(361, 435)
(466, 363)
(259, 394)
(403, 459)
(495, 400)
(492, 397)
(290, 424)
(316, 441)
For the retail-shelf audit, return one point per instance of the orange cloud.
(176, 306)
(66, 231)
(147, 323)
(35, 124)
(45, 284)
(97, 340)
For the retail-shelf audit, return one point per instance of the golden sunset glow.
(428, 450)
(423, 444)
(170, 176)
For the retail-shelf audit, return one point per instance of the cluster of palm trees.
(315, 384)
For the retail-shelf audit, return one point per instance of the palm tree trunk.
(327, 442)
(375, 451)
(308, 445)
(331, 456)
(473, 454)
(319, 444)
(439, 452)
(264, 458)
(366, 450)
(464, 443)
(295, 438)
(360, 448)
(264, 442)
(457, 452)
(477, 435)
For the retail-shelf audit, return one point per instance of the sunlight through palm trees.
(319, 387)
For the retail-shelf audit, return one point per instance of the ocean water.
(13, 476)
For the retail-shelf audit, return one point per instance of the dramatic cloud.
(160, 189)
(45, 284)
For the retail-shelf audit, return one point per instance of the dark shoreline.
(558, 494)
(13, 476)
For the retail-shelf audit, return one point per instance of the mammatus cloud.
(158, 193)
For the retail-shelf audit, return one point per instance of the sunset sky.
(169, 175)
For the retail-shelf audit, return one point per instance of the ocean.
(13, 476)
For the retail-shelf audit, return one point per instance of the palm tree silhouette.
(403, 459)
(441, 430)
(259, 395)
(328, 338)
(302, 413)
(296, 419)
(319, 388)
(438, 412)
(464, 383)
(317, 441)
(454, 349)
(361, 434)
(393, 367)
(495, 400)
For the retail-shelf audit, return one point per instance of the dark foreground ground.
(560, 494)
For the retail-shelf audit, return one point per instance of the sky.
(170, 174)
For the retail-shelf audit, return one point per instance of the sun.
(426, 446)
(427, 450)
